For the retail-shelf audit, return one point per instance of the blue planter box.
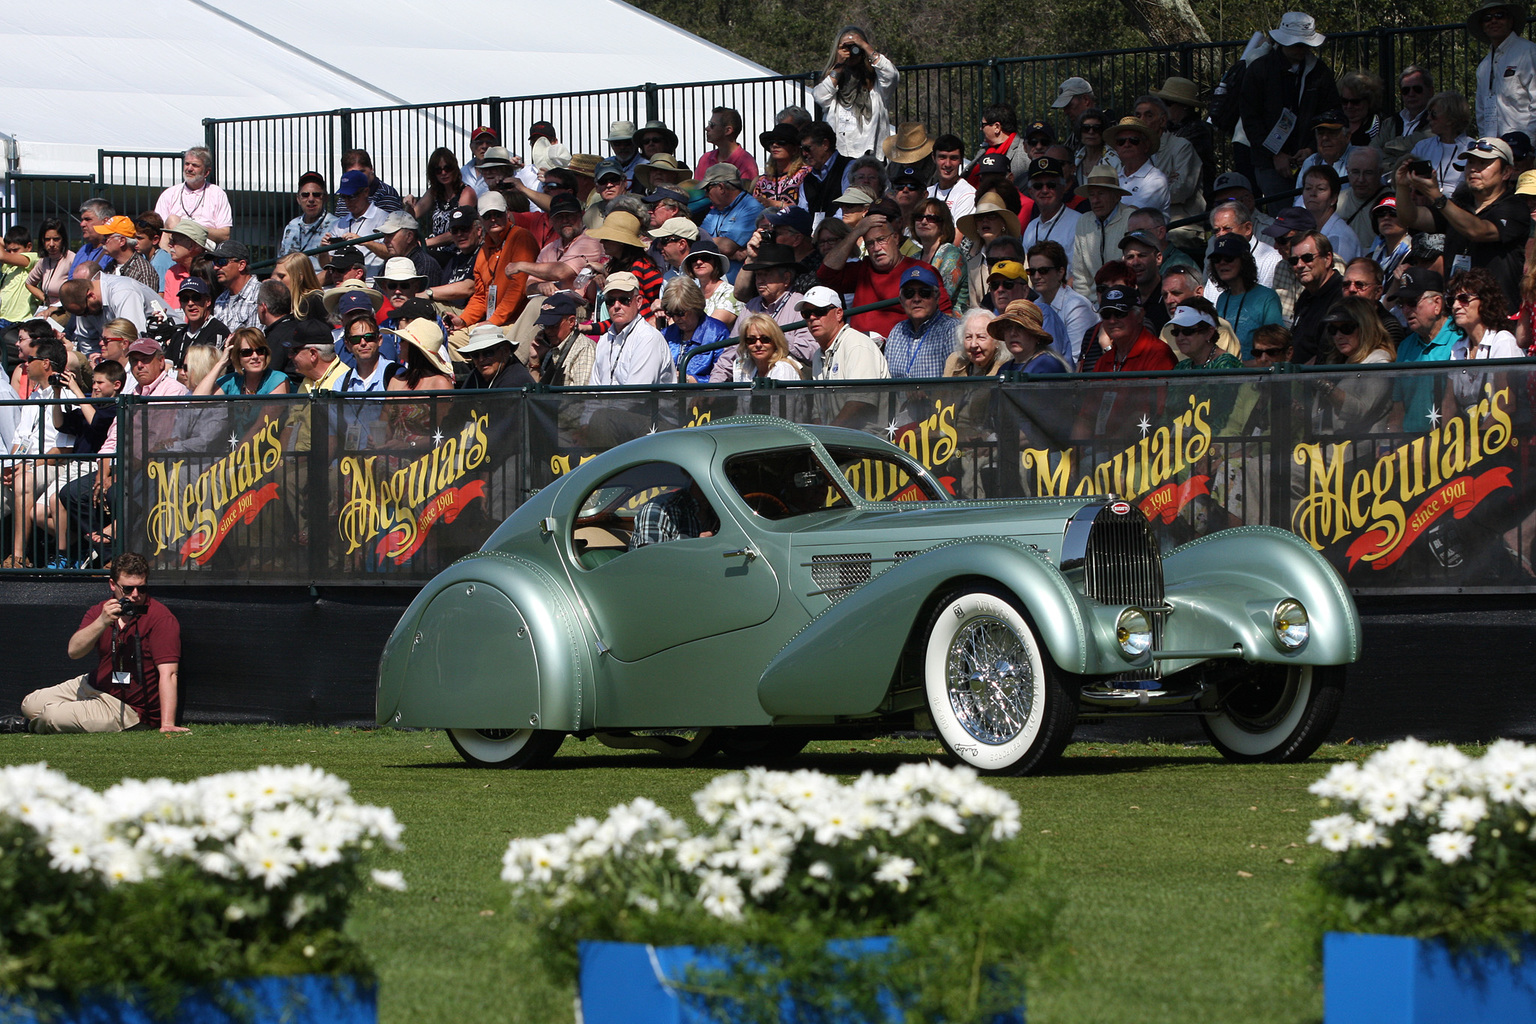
(632, 983)
(1389, 979)
(300, 999)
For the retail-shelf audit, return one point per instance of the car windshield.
(876, 475)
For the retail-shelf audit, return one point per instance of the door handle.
(748, 553)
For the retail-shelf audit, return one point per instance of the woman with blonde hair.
(764, 352)
(295, 271)
(1359, 403)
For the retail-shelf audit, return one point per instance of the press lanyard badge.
(1462, 263)
(121, 678)
(490, 299)
(1282, 130)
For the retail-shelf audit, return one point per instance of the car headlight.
(1291, 624)
(1133, 631)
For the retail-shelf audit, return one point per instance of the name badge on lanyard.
(1282, 130)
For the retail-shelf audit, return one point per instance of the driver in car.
(676, 516)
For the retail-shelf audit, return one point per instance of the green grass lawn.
(1182, 872)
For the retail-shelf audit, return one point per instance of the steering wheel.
(772, 502)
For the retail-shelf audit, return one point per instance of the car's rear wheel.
(1277, 713)
(995, 698)
(505, 748)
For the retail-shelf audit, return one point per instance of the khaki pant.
(77, 706)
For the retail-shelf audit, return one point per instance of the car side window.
(783, 482)
(877, 476)
(652, 503)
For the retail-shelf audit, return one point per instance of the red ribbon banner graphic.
(199, 547)
(1169, 500)
(1459, 497)
(445, 505)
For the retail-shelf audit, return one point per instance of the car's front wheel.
(1277, 713)
(995, 698)
(505, 748)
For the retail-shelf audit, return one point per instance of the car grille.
(1121, 562)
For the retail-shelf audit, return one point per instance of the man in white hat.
(404, 241)
(842, 353)
(1282, 92)
(489, 351)
(498, 297)
(1097, 240)
(1506, 77)
(1073, 97)
(1145, 184)
(631, 351)
(621, 143)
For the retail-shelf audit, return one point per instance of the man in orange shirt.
(498, 296)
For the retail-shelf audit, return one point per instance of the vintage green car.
(753, 584)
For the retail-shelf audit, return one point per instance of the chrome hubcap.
(991, 685)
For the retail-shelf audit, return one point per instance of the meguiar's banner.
(1408, 480)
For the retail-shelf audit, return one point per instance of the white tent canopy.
(89, 75)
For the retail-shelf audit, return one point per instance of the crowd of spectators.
(1347, 226)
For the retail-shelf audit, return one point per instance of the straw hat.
(1021, 313)
(659, 162)
(1129, 123)
(1179, 90)
(584, 164)
(909, 145)
(991, 202)
(1104, 176)
(427, 337)
(620, 226)
(333, 296)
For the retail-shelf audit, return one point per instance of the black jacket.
(821, 194)
(1272, 85)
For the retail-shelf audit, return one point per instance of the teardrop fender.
(1224, 588)
(843, 661)
(492, 642)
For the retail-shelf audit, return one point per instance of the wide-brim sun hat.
(427, 338)
(1475, 21)
(1021, 313)
(991, 202)
(910, 144)
(1179, 90)
(1297, 27)
(333, 296)
(620, 226)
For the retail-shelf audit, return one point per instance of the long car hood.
(918, 525)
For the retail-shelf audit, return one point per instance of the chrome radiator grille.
(1121, 563)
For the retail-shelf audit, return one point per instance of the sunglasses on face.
(1495, 15)
(1114, 314)
(1003, 283)
(246, 353)
(1413, 90)
(1302, 257)
(370, 336)
(311, 195)
(138, 588)
(1091, 126)
(1129, 140)
(1223, 259)
(1464, 299)
(1346, 329)
(1189, 332)
(909, 186)
(917, 291)
(1352, 102)
(221, 261)
(1037, 271)
(621, 299)
(1051, 184)
(1268, 353)
(932, 218)
(758, 339)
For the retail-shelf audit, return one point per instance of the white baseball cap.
(819, 297)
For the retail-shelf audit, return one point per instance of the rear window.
(878, 476)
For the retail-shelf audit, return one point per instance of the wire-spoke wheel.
(992, 692)
(505, 748)
(1276, 713)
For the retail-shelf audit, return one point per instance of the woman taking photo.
(708, 265)
(764, 352)
(683, 303)
(445, 193)
(856, 90)
(1240, 300)
(933, 228)
(49, 273)
(779, 185)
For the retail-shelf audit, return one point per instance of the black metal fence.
(1409, 479)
